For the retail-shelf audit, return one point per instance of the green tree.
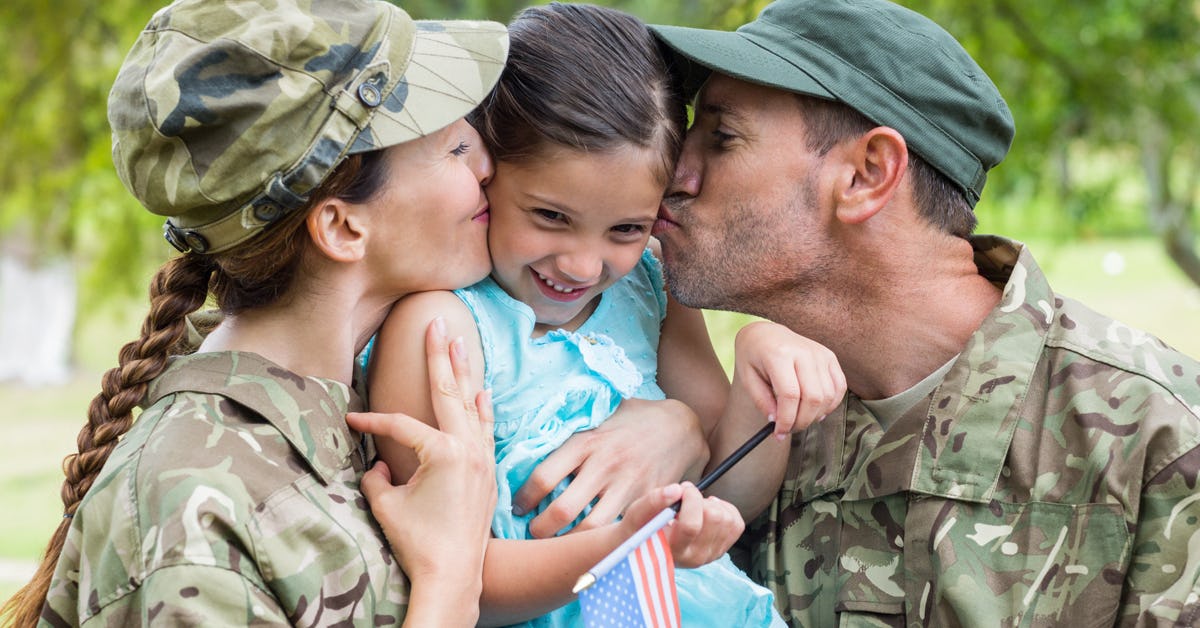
(1104, 94)
(1106, 103)
(1110, 81)
(60, 192)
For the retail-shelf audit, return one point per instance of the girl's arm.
(525, 579)
(521, 579)
(398, 378)
(438, 522)
(688, 367)
(779, 376)
(688, 370)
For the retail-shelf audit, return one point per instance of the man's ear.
(338, 233)
(876, 162)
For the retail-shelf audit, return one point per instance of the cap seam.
(157, 128)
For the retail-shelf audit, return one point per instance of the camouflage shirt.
(1050, 479)
(233, 500)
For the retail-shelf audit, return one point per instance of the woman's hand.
(791, 379)
(438, 522)
(704, 529)
(645, 444)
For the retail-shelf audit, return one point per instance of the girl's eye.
(549, 215)
(638, 229)
(461, 149)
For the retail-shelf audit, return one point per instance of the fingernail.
(439, 324)
(458, 347)
(518, 511)
(770, 418)
(781, 437)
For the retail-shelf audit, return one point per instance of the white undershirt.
(889, 409)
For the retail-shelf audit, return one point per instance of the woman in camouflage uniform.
(313, 165)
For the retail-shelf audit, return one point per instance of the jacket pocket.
(1010, 564)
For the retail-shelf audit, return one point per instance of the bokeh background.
(1101, 181)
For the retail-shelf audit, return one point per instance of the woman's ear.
(877, 161)
(338, 233)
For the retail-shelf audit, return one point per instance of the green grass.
(38, 426)
(1149, 293)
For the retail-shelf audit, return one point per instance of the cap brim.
(454, 66)
(734, 54)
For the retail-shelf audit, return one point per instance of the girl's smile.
(562, 231)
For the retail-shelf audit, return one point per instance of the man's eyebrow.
(721, 109)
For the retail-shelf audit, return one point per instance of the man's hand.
(644, 445)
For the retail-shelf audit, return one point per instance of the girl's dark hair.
(586, 78)
(253, 274)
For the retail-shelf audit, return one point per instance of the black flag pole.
(664, 517)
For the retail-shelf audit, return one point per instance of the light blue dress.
(545, 389)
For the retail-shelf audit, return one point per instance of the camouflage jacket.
(1049, 480)
(233, 500)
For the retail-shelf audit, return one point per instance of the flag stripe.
(639, 592)
(651, 568)
(665, 563)
(652, 588)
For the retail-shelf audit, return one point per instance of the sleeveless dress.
(545, 389)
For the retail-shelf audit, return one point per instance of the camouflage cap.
(893, 65)
(226, 114)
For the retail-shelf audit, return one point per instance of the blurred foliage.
(59, 194)
(1107, 107)
(1104, 94)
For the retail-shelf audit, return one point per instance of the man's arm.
(1162, 584)
(644, 445)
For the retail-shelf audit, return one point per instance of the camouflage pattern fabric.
(1049, 480)
(234, 500)
(226, 114)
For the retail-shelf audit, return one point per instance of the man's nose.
(686, 179)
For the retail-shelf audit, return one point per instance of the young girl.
(585, 127)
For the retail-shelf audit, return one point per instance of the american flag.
(639, 591)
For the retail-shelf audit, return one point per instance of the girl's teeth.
(557, 288)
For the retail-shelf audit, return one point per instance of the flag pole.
(663, 518)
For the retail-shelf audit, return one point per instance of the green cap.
(895, 66)
(226, 114)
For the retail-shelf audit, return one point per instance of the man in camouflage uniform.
(1005, 456)
(234, 499)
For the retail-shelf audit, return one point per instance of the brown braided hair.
(251, 275)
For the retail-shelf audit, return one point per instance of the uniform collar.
(975, 411)
(309, 412)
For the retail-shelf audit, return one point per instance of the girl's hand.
(438, 522)
(791, 379)
(704, 529)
